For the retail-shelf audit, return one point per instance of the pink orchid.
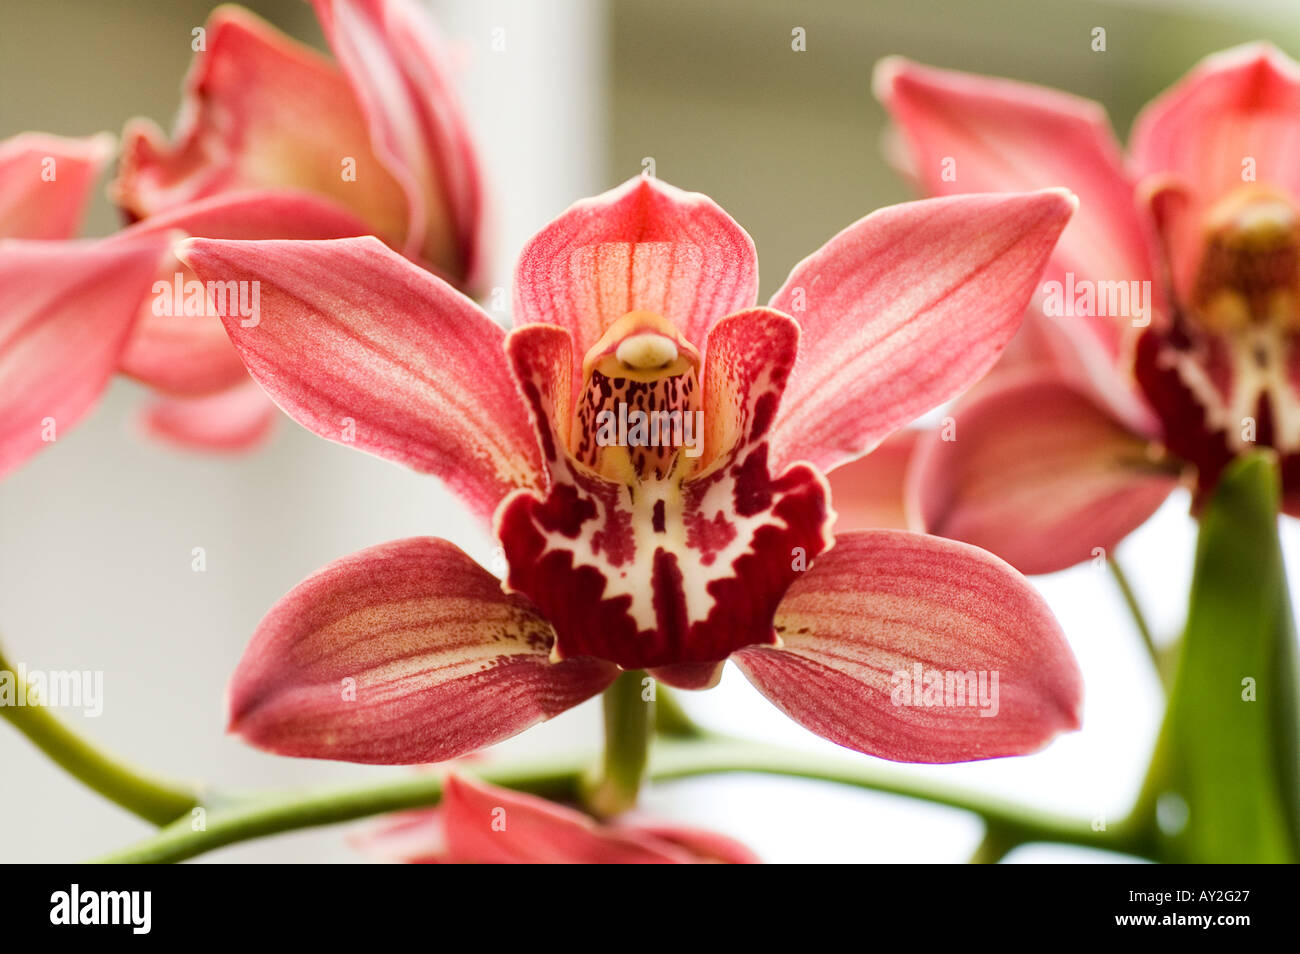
(664, 555)
(1081, 440)
(477, 823)
(256, 156)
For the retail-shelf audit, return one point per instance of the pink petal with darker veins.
(883, 603)
(644, 246)
(401, 654)
(1038, 474)
(362, 347)
(902, 311)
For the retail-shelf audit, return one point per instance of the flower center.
(638, 417)
(1249, 277)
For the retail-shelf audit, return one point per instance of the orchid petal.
(644, 246)
(884, 603)
(484, 824)
(868, 493)
(252, 119)
(362, 347)
(46, 182)
(1038, 474)
(395, 63)
(903, 310)
(235, 420)
(1236, 113)
(66, 311)
(1238, 104)
(997, 135)
(183, 353)
(403, 653)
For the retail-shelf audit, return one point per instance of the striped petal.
(1038, 474)
(362, 347)
(404, 653)
(902, 311)
(919, 649)
(66, 311)
(46, 183)
(644, 246)
(972, 133)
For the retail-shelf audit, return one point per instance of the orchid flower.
(478, 823)
(277, 141)
(664, 555)
(1166, 339)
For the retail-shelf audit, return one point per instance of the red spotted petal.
(396, 64)
(404, 653)
(252, 119)
(1037, 474)
(46, 183)
(644, 246)
(66, 311)
(902, 311)
(885, 606)
(362, 347)
(674, 571)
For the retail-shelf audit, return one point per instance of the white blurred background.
(97, 532)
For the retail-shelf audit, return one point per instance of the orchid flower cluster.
(309, 239)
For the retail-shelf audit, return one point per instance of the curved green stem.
(258, 817)
(154, 800)
(1139, 618)
(629, 717)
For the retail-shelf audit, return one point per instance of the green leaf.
(1222, 786)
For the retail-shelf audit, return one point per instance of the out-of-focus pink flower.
(276, 141)
(477, 823)
(46, 183)
(66, 307)
(379, 132)
(669, 553)
(1166, 336)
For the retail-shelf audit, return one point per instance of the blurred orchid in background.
(478, 823)
(647, 556)
(253, 160)
(1084, 430)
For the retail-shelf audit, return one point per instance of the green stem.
(671, 759)
(629, 717)
(154, 800)
(671, 719)
(1139, 618)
